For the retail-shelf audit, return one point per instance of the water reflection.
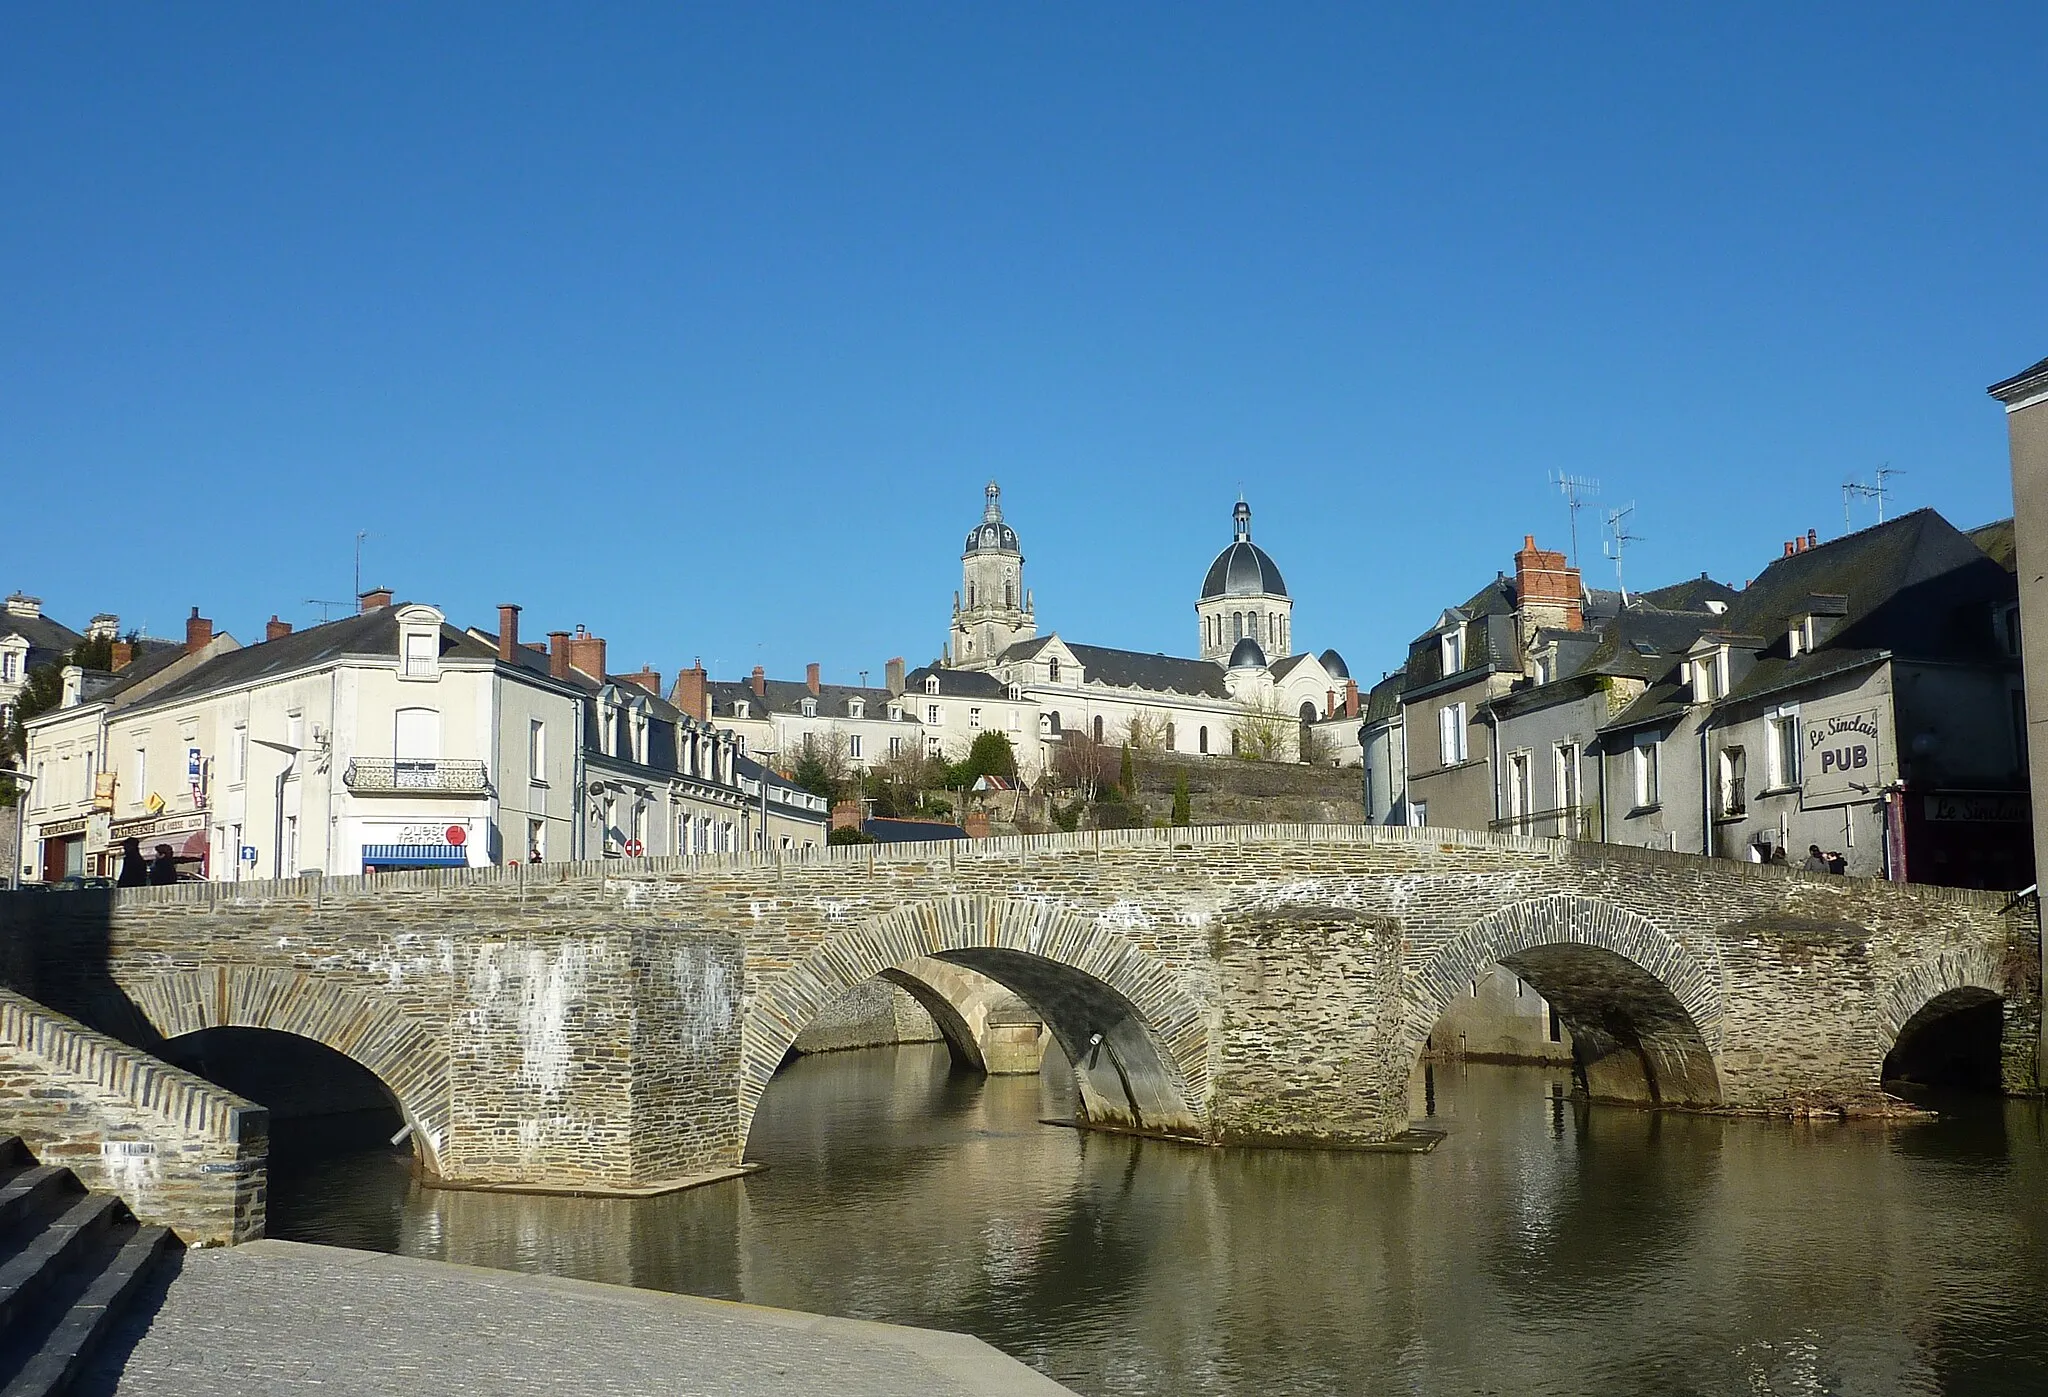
(1544, 1247)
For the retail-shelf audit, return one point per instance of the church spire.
(1240, 520)
(992, 513)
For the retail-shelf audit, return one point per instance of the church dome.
(1333, 665)
(1243, 569)
(1247, 655)
(991, 535)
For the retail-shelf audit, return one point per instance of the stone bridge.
(613, 1025)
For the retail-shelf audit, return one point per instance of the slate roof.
(1132, 669)
(2039, 370)
(1383, 700)
(1693, 594)
(779, 789)
(1242, 570)
(47, 639)
(887, 831)
(152, 657)
(956, 683)
(1287, 666)
(788, 695)
(1997, 541)
(1914, 587)
(366, 633)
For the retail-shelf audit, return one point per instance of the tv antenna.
(1575, 488)
(1618, 540)
(1869, 492)
(361, 534)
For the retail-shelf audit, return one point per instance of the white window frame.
(856, 708)
(1567, 768)
(853, 746)
(1518, 779)
(809, 707)
(973, 717)
(419, 655)
(931, 683)
(1451, 737)
(1418, 814)
(536, 752)
(1777, 721)
(1452, 650)
(1647, 768)
(932, 714)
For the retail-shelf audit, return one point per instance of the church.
(1249, 692)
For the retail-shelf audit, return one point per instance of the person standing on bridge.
(134, 868)
(1816, 861)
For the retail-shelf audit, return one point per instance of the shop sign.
(1979, 807)
(62, 829)
(415, 834)
(150, 826)
(1844, 756)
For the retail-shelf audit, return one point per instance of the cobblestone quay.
(611, 1026)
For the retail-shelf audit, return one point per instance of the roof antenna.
(1619, 538)
(1575, 488)
(1876, 492)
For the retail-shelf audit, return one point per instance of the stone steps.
(69, 1262)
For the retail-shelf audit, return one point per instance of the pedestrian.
(1778, 857)
(164, 867)
(1816, 861)
(1836, 863)
(134, 868)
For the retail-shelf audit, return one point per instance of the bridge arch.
(395, 1047)
(1149, 1067)
(1940, 1020)
(1644, 1011)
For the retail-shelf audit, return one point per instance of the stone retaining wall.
(175, 1148)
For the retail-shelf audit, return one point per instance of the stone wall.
(175, 1148)
(614, 1024)
(873, 1014)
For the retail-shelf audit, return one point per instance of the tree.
(991, 755)
(898, 781)
(1126, 773)
(1146, 732)
(1264, 731)
(1183, 808)
(1082, 764)
(822, 766)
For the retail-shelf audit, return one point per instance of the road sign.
(634, 849)
(248, 853)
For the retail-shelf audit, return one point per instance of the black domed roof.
(1243, 569)
(1247, 655)
(992, 534)
(1333, 665)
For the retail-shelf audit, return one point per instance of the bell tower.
(991, 611)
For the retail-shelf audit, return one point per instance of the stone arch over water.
(402, 1052)
(1950, 1012)
(1643, 1010)
(1150, 1069)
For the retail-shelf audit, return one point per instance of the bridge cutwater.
(612, 1026)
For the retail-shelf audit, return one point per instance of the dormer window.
(1453, 648)
(856, 708)
(739, 708)
(1799, 638)
(1546, 667)
(809, 707)
(931, 683)
(1016, 692)
(895, 714)
(419, 643)
(1710, 676)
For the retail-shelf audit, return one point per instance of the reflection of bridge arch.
(1643, 1010)
(407, 1056)
(1151, 1067)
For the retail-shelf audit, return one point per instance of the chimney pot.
(275, 629)
(1351, 698)
(558, 654)
(1790, 548)
(893, 674)
(508, 632)
(376, 599)
(647, 677)
(123, 655)
(811, 679)
(586, 654)
(198, 632)
(759, 682)
(692, 692)
(1813, 538)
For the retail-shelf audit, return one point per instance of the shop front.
(387, 846)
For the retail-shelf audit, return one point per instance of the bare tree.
(1083, 764)
(1146, 732)
(1265, 731)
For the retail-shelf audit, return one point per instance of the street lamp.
(764, 754)
(291, 761)
(22, 781)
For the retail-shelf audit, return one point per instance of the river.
(1544, 1247)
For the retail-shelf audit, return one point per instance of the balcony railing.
(412, 775)
(1734, 799)
(1564, 822)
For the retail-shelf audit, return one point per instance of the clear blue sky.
(704, 328)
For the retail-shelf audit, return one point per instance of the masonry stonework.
(614, 1025)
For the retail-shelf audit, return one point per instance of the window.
(809, 707)
(1543, 665)
(1453, 644)
(856, 708)
(1799, 639)
(611, 823)
(1730, 795)
(1169, 737)
(853, 746)
(1418, 814)
(970, 596)
(416, 735)
(931, 683)
(422, 649)
(537, 751)
(1783, 728)
(1202, 740)
(1016, 721)
(1710, 677)
(895, 712)
(291, 847)
(1648, 762)
(640, 736)
(1098, 729)
(238, 757)
(895, 746)
(1566, 757)
(536, 840)
(739, 708)
(1450, 733)
(931, 714)
(1052, 669)
(140, 772)
(9, 666)
(1518, 787)
(973, 717)
(2009, 629)
(931, 747)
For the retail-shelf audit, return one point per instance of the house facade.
(2025, 398)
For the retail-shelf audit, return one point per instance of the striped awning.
(415, 855)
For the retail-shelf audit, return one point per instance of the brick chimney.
(693, 693)
(275, 629)
(759, 682)
(1351, 698)
(508, 632)
(586, 654)
(646, 677)
(1329, 703)
(123, 655)
(1547, 593)
(894, 675)
(198, 632)
(558, 654)
(846, 814)
(811, 679)
(1813, 538)
(975, 822)
(376, 599)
